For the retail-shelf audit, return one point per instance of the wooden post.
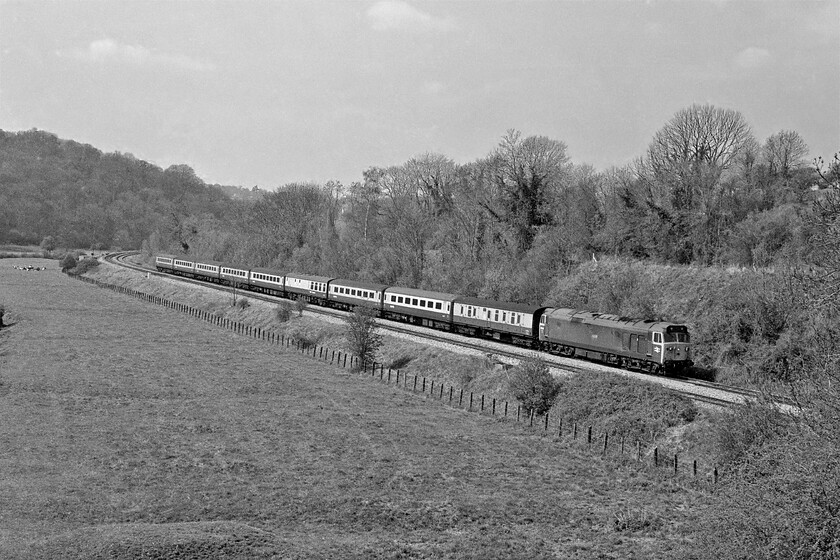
(471, 399)
(694, 468)
(506, 405)
(345, 360)
(546, 422)
(415, 384)
(432, 390)
(560, 428)
(494, 407)
(574, 431)
(450, 393)
(461, 398)
(424, 384)
(638, 450)
(606, 438)
(675, 464)
(518, 408)
(389, 375)
(622, 445)
(398, 377)
(589, 435)
(655, 456)
(440, 397)
(482, 402)
(531, 419)
(715, 474)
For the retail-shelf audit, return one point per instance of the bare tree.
(685, 164)
(526, 172)
(784, 151)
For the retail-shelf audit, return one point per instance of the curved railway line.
(704, 392)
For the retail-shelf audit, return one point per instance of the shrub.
(69, 262)
(283, 311)
(85, 265)
(747, 427)
(622, 406)
(534, 386)
(300, 306)
(362, 338)
(2, 313)
(243, 303)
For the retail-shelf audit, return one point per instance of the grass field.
(128, 430)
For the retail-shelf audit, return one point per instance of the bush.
(85, 265)
(300, 306)
(283, 311)
(534, 386)
(69, 262)
(748, 427)
(362, 339)
(2, 313)
(243, 303)
(621, 406)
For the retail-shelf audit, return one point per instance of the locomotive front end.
(676, 353)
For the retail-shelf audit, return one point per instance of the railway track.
(704, 392)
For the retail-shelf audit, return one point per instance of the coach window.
(438, 305)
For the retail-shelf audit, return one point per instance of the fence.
(603, 444)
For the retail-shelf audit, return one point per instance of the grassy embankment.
(130, 429)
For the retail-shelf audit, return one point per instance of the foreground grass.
(130, 430)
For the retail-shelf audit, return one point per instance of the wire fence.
(602, 445)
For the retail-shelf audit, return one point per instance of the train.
(657, 347)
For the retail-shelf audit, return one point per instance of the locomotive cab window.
(657, 338)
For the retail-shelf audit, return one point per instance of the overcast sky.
(267, 93)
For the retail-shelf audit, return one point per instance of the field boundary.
(603, 446)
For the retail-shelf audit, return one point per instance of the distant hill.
(83, 197)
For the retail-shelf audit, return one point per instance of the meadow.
(130, 430)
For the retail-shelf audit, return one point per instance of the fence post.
(715, 474)
(494, 407)
(471, 399)
(546, 422)
(622, 445)
(450, 393)
(675, 464)
(461, 398)
(589, 435)
(655, 456)
(432, 390)
(506, 405)
(518, 408)
(560, 428)
(531, 419)
(389, 375)
(415, 384)
(638, 450)
(482, 402)
(424, 384)
(606, 437)
(694, 465)
(398, 377)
